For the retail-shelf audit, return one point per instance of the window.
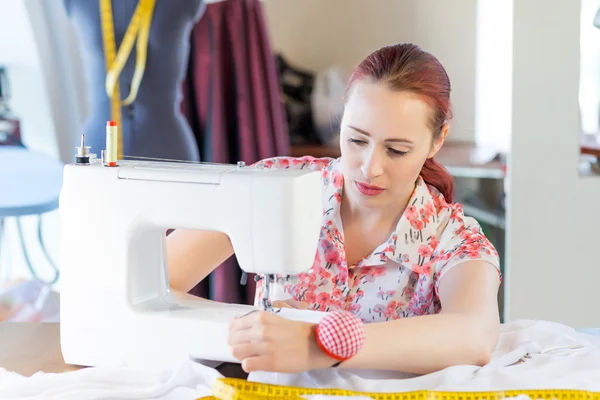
(589, 81)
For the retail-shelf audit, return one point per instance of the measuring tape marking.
(240, 389)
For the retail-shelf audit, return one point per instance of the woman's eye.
(397, 152)
(392, 151)
(356, 141)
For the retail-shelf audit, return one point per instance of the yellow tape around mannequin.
(239, 389)
(138, 31)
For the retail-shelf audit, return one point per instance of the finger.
(282, 304)
(244, 350)
(250, 335)
(291, 303)
(298, 304)
(249, 320)
(255, 333)
(258, 363)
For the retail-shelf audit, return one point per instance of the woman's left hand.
(264, 341)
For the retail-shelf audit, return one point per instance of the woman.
(394, 250)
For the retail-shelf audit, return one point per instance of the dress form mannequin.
(153, 125)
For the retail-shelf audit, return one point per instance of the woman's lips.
(368, 190)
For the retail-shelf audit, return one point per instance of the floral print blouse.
(400, 277)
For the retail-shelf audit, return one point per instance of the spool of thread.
(111, 144)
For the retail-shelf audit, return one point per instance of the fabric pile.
(531, 355)
(191, 381)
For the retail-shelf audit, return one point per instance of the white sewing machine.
(116, 306)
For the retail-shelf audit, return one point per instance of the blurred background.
(242, 80)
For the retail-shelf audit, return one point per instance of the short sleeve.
(307, 162)
(463, 240)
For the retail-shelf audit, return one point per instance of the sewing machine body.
(116, 306)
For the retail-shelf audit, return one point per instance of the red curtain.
(232, 100)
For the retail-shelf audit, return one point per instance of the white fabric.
(191, 381)
(570, 360)
(562, 358)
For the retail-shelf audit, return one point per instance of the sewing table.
(30, 347)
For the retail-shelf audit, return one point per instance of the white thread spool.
(111, 144)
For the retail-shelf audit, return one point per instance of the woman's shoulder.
(306, 162)
(460, 237)
(450, 215)
(453, 225)
(444, 210)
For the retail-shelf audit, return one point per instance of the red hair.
(406, 67)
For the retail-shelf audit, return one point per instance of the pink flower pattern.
(400, 277)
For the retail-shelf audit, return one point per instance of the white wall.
(589, 85)
(447, 29)
(316, 34)
(553, 220)
(493, 85)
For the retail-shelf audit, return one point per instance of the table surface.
(30, 181)
(30, 347)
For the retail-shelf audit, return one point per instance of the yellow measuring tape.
(239, 389)
(138, 29)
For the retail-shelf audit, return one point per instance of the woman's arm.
(193, 254)
(464, 333)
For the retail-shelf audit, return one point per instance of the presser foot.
(268, 281)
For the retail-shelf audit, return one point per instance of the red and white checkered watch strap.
(340, 335)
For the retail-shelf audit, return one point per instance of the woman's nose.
(372, 166)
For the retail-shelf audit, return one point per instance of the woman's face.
(385, 139)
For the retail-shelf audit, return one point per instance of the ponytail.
(436, 175)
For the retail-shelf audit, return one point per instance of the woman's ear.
(437, 144)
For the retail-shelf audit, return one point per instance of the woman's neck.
(386, 218)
